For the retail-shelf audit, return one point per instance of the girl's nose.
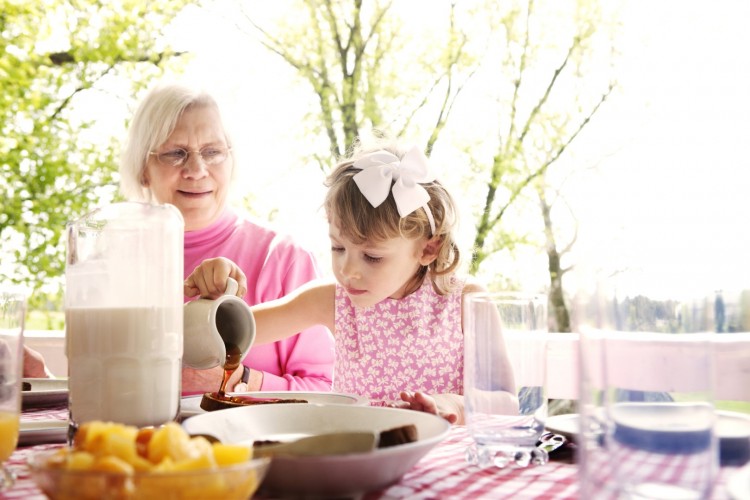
(349, 268)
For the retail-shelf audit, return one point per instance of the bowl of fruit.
(109, 460)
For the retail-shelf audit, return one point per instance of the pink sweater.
(275, 265)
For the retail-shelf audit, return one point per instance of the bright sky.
(671, 203)
(668, 197)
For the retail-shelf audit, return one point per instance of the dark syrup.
(231, 364)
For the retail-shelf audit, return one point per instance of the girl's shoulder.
(460, 285)
(471, 284)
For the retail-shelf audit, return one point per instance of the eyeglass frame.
(188, 152)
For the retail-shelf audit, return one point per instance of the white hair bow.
(381, 168)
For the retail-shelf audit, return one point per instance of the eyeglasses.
(179, 157)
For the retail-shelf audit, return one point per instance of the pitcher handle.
(232, 287)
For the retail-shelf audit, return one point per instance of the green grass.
(45, 320)
(739, 406)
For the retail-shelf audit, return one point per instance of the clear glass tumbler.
(504, 377)
(12, 314)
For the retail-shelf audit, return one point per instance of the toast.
(398, 435)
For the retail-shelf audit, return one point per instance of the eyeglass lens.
(178, 157)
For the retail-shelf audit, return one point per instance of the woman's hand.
(34, 365)
(209, 279)
(448, 406)
(197, 381)
(254, 383)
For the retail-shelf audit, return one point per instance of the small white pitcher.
(212, 326)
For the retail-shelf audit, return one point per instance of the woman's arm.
(34, 365)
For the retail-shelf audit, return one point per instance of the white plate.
(731, 425)
(566, 425)
(732, 428)
(738, 485)
(325, 476)
(191, 405)
(42, 432)
(45, 392)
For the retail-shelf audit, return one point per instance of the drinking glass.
(648, 425)
(504, 377)
(12, 313)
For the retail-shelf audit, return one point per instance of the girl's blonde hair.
(360, 222)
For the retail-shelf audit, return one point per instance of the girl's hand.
(437, 405)
(209, 279)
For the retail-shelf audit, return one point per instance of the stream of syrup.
(231, 364)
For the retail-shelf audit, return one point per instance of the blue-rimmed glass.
(179, 156)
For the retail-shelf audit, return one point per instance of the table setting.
(441, 473)
(438, 468)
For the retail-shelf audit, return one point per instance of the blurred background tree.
(53, 165)
(547, 64)
(506, 97)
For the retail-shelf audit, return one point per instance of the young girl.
(395, 309)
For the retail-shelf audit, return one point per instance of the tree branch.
(518, 80)
(62, 58)
(547, 91)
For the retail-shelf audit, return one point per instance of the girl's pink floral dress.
(413, 343)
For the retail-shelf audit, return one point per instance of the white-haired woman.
(179, 152)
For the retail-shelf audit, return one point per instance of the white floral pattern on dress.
(409, 344)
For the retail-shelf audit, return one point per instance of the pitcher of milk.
(123, 314)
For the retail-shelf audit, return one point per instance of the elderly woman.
(179, 152)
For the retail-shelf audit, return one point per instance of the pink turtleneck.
(274, 265)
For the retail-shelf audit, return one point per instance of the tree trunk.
(556, 296)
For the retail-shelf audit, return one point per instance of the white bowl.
(332, 475)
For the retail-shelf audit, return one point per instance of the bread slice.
(398, 435)
(212, 402)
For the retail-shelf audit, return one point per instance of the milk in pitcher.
(123, 364)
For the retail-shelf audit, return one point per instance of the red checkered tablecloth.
(442, 473)
(49, 413)
(25, 487)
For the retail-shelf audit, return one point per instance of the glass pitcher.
(123, 314)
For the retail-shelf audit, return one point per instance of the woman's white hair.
(152, 124)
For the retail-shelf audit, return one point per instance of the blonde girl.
(395, 309)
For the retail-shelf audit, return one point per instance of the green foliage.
(338, 48)
(372, 67)
(45, 319)
(54, 55)
(369, 70)
(548, 94)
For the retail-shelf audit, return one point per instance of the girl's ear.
(430, 251)
(144, 178)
